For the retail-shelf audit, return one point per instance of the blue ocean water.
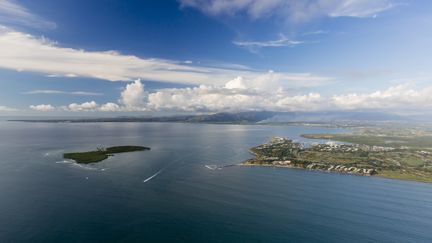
(168, 195)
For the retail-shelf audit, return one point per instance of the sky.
(114, 57)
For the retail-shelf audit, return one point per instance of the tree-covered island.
(360, 159)
(101, 153)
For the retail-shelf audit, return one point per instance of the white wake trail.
(153, 176)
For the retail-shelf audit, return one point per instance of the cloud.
(281, 42)
(110, 107)
(396, 97)
(86, 106)
(12, 14)
(235, 96)
(316, 32)
(42, 107)
(5, 108)
(133, 96)
(292, 10)
(24, 52)
(49, 91)
(236, 83)
(360, 8)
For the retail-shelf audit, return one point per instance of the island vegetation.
(367, 157)
(101, 153)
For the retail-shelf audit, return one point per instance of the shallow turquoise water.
(45, 200)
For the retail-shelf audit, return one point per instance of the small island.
(101, 153)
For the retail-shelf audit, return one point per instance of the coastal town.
(357, 159)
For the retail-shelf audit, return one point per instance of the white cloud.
(42, 107)
(236, 83)
(13, 14)
(316, 32)
(133, 96)
(360, 8)
(281, 42)
(396, 97)
(86, 106)
(110, 107)
(214, 99)
(5, 108)
(211, 98)
(292, 10)
(24, 52)
(50, 91)
(236, 96)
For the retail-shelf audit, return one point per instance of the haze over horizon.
(163, 57)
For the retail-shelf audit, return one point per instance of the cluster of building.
(326, 167)
(341, 168)
(335, 147)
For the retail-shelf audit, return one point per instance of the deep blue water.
(44, 200)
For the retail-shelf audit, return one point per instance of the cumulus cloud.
(50, 91)
(86, 106)
(236, 95)
(232, 98)
(292, 10)
(110, 107)
(42, 107)
(236, 83)
(214, 99)
(24, 52)
(133, 97)
(396, 97)
(13, 14)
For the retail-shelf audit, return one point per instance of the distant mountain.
(267, 117)
(240, 117)
(224, 117)
(332, 116)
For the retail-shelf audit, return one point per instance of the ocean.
(167, 194)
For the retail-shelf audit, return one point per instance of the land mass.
(101, 153)
(406, 163)
(253, 117)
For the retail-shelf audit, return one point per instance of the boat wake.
(153, 176)
(65, 162)
(211, 167)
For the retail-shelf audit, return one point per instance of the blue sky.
(137, 57)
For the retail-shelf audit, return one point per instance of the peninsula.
(359, 159)
(101, 153)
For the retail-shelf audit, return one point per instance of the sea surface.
(168, 195)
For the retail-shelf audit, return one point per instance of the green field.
(101, 153)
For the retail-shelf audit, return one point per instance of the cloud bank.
(235, 96)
